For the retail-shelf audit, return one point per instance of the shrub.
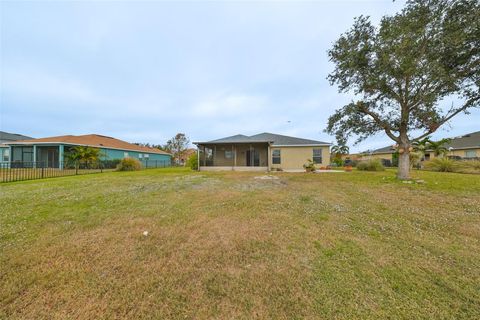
(309, 166)
(370, 165)
(338, 162)
(442, 165)
(192, 161)
(468, 166)
(129, 164)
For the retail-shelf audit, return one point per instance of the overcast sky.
(143, 71)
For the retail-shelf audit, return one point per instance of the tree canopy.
(403, 71)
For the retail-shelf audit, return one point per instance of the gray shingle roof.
(469, 140)
(275, 139)
(8, 137)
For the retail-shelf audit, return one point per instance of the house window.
(125, 154)
(140, 156)
(6, 155)
(276, 156)
(470, 153)
(228, 154)
(146, 155)
(317, 156)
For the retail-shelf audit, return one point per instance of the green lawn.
(229, 246)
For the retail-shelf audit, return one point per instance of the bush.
(338, 162)
(129, 164)
(370, 165)
(309, 166)
(442, 165)
(192, 161)
(468, 166)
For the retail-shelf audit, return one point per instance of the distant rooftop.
(466, 141)
(274, 139)
(8, 137)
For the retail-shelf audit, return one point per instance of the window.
(276, 156)
(6, 155)
(146, 155)
(470, 153)
(125, 154)
(140, 156)
(228, 154)
(317, 155)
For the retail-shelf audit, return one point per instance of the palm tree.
(438, 147)
(340, 150)
(79, 154)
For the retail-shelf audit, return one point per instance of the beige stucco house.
(261, 152)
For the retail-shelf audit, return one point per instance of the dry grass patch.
(227, 245)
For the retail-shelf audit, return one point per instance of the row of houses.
(462, 147)
(260, 152)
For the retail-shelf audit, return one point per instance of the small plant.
(442, 165)
(192, 161)
(338, 162)
(129, 164)
(370, 165)
(309, 166)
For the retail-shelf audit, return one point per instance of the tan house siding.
(293, 158)
(463, 152)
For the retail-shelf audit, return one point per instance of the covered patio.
(233, 156)
(38, 156)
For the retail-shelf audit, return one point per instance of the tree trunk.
(404, 165)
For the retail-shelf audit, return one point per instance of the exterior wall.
(461, 153)
(293, 158)
(111, 154)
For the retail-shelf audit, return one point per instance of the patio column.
(60, 157)
(34, 156)
(198, 158)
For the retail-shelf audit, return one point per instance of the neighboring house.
(50, 152)
(6, 137)
(261, 152)
(465, 147)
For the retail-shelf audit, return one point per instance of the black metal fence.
(30, 170)
(18, 171)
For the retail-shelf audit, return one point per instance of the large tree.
(177, 146)
(403, 72)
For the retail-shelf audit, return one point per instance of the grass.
(227, 245)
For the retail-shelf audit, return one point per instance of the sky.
(141, 71)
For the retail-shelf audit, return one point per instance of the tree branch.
(363, 108)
